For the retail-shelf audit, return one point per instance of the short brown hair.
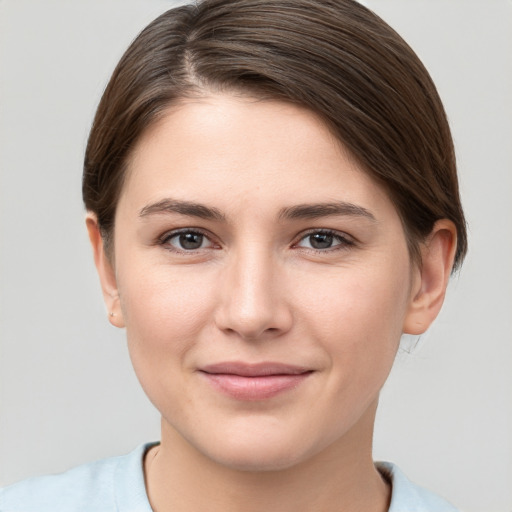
(334, 57)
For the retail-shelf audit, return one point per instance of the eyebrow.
(315, 211)
(300, 211)
(183, 208)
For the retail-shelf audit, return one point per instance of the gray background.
(68, 394)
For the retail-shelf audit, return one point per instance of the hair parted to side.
(333, 57)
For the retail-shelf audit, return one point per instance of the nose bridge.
(252, 302)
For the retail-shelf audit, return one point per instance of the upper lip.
(253, 369)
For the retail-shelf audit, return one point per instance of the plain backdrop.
(68, 393)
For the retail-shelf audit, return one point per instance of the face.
(263, 279)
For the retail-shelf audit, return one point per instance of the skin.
(256, 290)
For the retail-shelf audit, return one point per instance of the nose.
(253, 303)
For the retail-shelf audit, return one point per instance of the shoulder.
(409, 497)
(114, 484)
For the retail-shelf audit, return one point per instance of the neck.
(341, 478)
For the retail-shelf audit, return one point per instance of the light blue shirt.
(117, 485)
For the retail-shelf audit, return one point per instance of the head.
(253, 124)
(335, 58)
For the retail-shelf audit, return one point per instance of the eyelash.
(344, 241)
(169, 235)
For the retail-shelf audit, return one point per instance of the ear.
(431, 278)
(106, 272)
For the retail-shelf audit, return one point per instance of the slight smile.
(251, 382)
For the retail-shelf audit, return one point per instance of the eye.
(324, 240)
(187, 241)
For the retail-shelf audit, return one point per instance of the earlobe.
(106, 272)
(429, 287)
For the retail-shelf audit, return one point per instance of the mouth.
(251, 382)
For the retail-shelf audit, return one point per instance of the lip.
(260, 381)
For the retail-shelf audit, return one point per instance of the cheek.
(358, 314)
(164, 310)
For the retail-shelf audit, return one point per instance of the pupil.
(321, 240)
(191, 240)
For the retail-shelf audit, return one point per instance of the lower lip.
(254, 388)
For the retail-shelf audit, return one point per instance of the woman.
(272, 201)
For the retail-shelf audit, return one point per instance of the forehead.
(241, 151)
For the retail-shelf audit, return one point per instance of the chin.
(252, 449)
(256, 458)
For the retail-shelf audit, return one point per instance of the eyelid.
(173, 232)
(345, 239)
(165, 237)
